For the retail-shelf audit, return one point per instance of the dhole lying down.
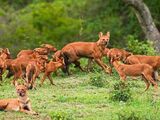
(144, 70)
(72, 52)
(22, 103)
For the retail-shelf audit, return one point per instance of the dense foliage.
(27, 24)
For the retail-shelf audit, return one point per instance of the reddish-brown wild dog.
(123, 54)
(33, 70)
(22, 103)
(153, 61)
(144, 70)
(93, 50)
(51, 67)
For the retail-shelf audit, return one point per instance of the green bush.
(121, 92)
(60, 115)
(98, 80)
(127, 116)
(140, 47)
(138, 114)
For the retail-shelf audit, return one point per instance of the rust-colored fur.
(94, 50)
(43, 50)
(18, 65)
(56, 56)
(22, 103)
(122, 54)
(51, 67)
(136, 70)
(90, 61)
(153, 61)
(4, 55)
(33, 70)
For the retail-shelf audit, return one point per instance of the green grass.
(74, 97)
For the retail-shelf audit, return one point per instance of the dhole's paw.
(35, 113)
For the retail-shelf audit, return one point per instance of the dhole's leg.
(68, 60)
(33, 85)
(108, 68)
(49, 77)
(16, 76)
(149, 78)
(27, 77)
(56, 72)
(10, 73)
(43, 78)
(30, 109)
(89, 66)
(156, 76)
(77, 64)
(100, 63)
(146, 82)
(122, 77)
(67, 69)
(28, 112)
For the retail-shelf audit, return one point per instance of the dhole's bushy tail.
(3, 107)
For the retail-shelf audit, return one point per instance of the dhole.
(51, 67)
(22, 103)
(144, 70)
(153, 61)
(94, 50)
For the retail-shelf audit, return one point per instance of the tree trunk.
(146, 22)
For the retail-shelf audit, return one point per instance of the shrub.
(97, 80)
(121, 92)
(138, 114)
(60, 115)
(126, 116)
(140, 47)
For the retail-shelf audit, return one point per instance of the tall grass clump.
(60, 115)
(121, 92)
(98, 80)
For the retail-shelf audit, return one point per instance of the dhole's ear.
(100, 34)
(130, 53)
(108, 34)
(7, 50)
(42, 45)
(16, 84)
(1, 49)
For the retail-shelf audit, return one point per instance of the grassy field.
(74, 97)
